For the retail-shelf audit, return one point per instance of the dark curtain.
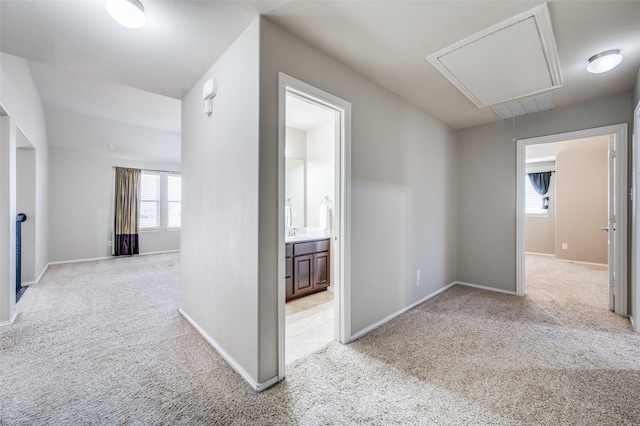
(127, 202)
(540, 182)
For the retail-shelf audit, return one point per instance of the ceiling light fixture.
(128, 13)
(604, 61)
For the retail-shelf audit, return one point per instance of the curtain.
(127, 202)
(540, 182)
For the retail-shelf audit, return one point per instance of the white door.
(610, 228)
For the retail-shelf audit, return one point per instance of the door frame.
(342, 209)
(635, 239)
(622, 196)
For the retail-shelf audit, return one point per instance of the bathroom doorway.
(314, 171)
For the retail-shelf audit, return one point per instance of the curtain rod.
(151, 170)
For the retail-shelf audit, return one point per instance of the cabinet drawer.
(309, 247)
(288, 250)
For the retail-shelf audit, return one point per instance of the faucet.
(291, 232)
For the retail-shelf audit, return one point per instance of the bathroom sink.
(306, 234)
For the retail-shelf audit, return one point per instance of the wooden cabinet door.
(302, 274)
(321, 269)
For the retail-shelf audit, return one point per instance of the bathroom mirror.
(294, 190)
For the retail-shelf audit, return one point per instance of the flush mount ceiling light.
(604, 61)
(128, 13)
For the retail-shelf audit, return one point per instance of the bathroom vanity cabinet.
(307, 267)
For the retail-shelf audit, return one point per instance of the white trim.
(92, 259)
(382, 322)
(635, 237)
(633, 323)
(540, 254)
(580, 262)
(542, 20)
(484, 287)
(228, 358)
(342, 234)
(11, 321)
(620, 267)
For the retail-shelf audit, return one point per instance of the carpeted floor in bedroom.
(103, 343)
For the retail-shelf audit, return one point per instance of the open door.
(610, 228)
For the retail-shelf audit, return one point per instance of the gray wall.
(487, 177)
(402, 191)
(20, 99)
(81, 207)
(219, 254)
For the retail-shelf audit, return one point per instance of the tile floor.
(308, 325)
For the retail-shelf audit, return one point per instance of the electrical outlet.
(565, 246)
(418, 278)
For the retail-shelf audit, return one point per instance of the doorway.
(614, 158)
(314, 173)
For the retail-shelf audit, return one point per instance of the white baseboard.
(540, 254)
(232, 362)
(380, 323)
(92, 259)
(11, 321)
(633, 324)
(37, 280)
(581, 263)
(159, 252)
(484, 287)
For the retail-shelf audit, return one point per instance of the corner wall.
(219, 246)
(403, 185)
(487, 158)
(20, 99)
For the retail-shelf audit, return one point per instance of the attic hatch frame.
(542, 20)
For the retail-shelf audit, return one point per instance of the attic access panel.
(514, 59)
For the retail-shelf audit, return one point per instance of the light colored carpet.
(103, 343)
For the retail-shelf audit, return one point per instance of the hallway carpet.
(103, 343)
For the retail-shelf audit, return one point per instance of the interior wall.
(81, 211)
(487, 156)
(26, 203)
(540, 231)
(320, 169)
(582, 188)
(20, 99)
(403, 186)
(219, 256)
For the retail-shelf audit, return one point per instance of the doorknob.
(605, 228)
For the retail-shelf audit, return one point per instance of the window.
(174, 199)
(532, 200)
(160, 200)
(150, 201)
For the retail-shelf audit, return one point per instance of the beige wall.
(581, 189)
(540, 231)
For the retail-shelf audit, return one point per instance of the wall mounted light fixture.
(128, 13)
(604, 61)
(209, 91)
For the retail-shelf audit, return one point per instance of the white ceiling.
(549, 151)
(385, 40)
(304, 115)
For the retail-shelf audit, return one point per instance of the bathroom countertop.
(304, 237)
